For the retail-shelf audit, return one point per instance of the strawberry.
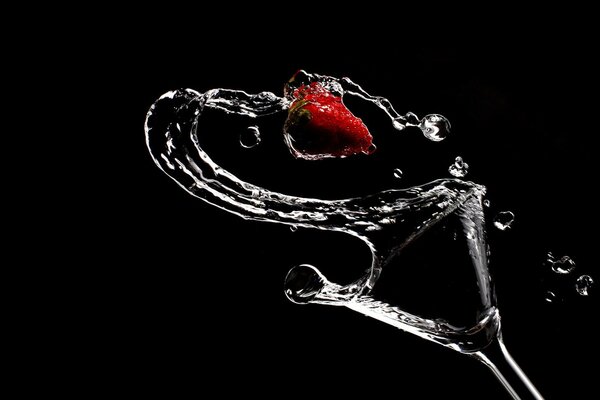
(319, 126)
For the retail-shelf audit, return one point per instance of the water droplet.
(459, 169)
(549, 261)
(266, 96)
(504, 220)
(435, 127)
(250, 137)
(303, 283)
(583, 285)
(398, 173)
(486, 203)
(563, 266)
(399, 123)
(293, 228)
(370, 150)
(550, 297)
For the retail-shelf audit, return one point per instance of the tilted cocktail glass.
(388, 222)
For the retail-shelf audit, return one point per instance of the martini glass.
(482, 339)
(390, 223)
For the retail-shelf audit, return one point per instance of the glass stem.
(504, 367)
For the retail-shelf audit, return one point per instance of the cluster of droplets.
(564, 267)
(459, 168)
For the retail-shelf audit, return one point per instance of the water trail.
(434, 127)
(386, 221)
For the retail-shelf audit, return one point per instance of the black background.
(192, 297)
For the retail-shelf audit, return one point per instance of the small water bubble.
(486, 203)
(435, 127)
(250, 137)
(584, 284)
(293, 228)
(398, 173)
(504, 220)
(459, 169)
(370, 150)
(550, 297)
(563, 266)
(549, 261)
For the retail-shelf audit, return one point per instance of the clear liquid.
(583, 285)
(459, 169)
(504, 220)
(387, 222)
(391, 223)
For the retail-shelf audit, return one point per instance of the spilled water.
(386, 222)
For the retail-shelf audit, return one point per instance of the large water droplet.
(293, 228)
(303, 283)
(583, 285)
(398, 173)
(504, 220)
(435, 127)
(459, 169)
(250, 137)
(486, 203)
(563, 266)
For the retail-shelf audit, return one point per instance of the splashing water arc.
(386, 221)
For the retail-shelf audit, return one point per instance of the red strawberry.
(319, 125)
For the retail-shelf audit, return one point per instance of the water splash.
(459, 169)
(250, 137)
(564, 265)
(386, 222)
(583, 285)
(504, 220)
